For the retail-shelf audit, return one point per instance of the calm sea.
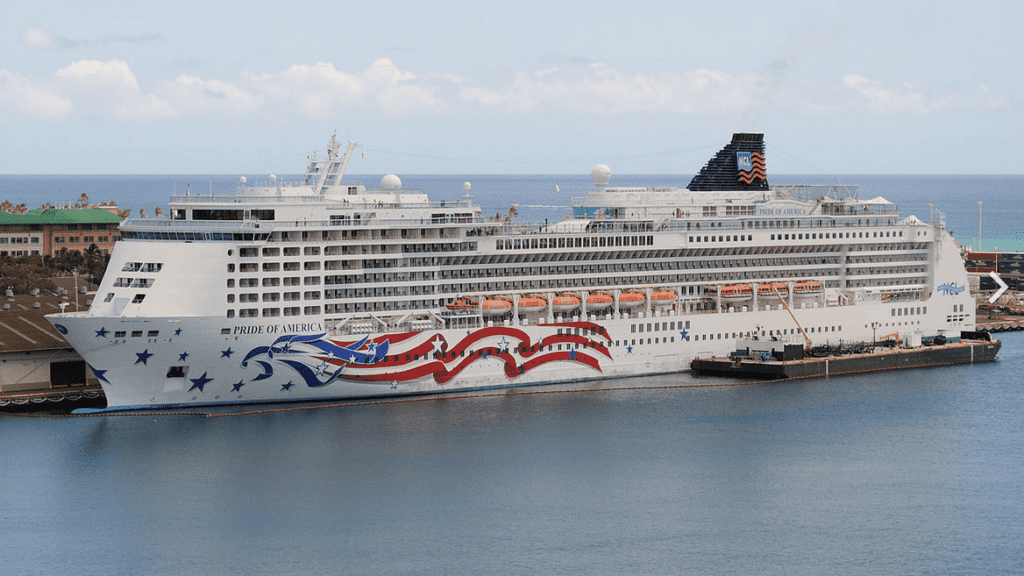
(914, 472)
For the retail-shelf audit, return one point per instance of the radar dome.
(273, 179)
(601, 175)
(242, 180)
(391, 182)
(467, 186)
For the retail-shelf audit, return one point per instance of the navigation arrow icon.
(1002, 287)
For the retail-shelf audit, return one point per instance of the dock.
(88, 396)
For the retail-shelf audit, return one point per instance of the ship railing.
(811, 192)
(259, 199)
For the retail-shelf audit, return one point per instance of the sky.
(525, 87)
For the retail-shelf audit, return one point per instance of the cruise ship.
(321, 289)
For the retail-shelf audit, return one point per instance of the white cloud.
(111, 90)
(20, 98)
(39, 38)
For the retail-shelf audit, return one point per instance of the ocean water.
(912, 472)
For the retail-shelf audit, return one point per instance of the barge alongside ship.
(776, 360)
(321, 289)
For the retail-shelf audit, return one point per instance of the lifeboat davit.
(630, 299)
(532, 304)
(565, 303)
(737, 293)
(662, 298)
(807, 289)
(496, 306)
(599, 301)
(765, 292)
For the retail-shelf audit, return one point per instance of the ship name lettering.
(305, 327)
(779, 211)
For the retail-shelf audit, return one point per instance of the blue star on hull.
(182, 356)
(100, 374)
(238, 387)
(200, 382)
(102, 332)
(143, 356)
(226, 353)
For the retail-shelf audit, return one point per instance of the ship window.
(109, 297)
(271, 266)
(311, 310)
(248, 313)
(138, 298)
(271, 282)
(231, 282)
(136, 333)
(152, 334)
(231, 298)
(248, 252)
(271, 312)
(271, 251)
(291, 266)
(291, 251)
(176, 372)
(294, 311)
(311, 250)
(231, 267)
(231, 314)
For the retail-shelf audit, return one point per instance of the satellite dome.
(601, 175)
(467, 186)
(391, 182)
(273, 179)
(241, 180)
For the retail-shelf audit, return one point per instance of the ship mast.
(329, 171)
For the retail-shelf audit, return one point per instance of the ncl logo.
(950, 288)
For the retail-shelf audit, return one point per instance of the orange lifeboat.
(737, 293)
(565, 303)
(599, 301)
(462, 304)
(765, 292)
(496, 306)
(630, 299)
(532, 304)
(807, 289)
(662, 298)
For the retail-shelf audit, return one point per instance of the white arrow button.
(1002, 287)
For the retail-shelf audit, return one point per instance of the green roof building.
(49, 230)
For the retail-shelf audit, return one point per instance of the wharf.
(89, 396)
(1000, 323)
(961, 352)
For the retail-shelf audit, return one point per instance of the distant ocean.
(911, 472)
(541, 197)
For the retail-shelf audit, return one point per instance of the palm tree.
(158, 211)
(512, 212)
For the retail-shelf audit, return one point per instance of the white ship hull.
(260, 362)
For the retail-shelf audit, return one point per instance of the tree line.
(23, 273)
